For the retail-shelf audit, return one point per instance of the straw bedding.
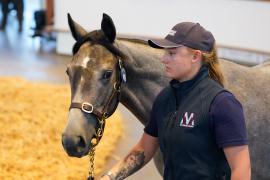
(32, 118)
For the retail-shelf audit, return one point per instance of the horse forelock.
(97, 37)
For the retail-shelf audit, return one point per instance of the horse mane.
(144, 59)
(133, 40)
(139, 49)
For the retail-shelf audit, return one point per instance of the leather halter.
(88, 108)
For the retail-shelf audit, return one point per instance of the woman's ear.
(197, 56)
(108, 27)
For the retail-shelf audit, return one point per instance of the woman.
(198, 125)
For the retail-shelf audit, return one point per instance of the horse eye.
(107, 74)
(67, 72)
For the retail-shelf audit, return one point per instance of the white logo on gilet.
(187, 120)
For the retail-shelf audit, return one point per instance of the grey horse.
(94, 70)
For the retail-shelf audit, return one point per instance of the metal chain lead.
(91, 167)
(94, 142)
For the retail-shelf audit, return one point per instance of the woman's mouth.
(167, 68)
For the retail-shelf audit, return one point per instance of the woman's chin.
(168, 74)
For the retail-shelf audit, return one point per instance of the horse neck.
(144, 78)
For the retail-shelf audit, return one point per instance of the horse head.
(95, 73)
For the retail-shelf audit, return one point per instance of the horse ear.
(76, 30)
(108, 27)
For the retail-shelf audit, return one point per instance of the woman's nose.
(164, 59)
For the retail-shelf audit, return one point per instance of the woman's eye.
(107, 74)
(169, 53)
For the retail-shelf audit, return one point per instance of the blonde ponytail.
(211, 61)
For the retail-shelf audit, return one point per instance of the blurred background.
(35, 42)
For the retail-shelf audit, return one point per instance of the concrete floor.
(25, 57)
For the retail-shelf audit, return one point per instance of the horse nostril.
(81, 143)
(74, 145)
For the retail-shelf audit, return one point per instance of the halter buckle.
(116, 88)
(85, 110)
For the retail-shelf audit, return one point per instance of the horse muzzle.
(77, 136)
(75, 146)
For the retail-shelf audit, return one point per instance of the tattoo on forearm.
(132, 163)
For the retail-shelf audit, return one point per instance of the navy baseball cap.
(188, 34)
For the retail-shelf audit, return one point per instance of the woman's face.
(178, 63)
